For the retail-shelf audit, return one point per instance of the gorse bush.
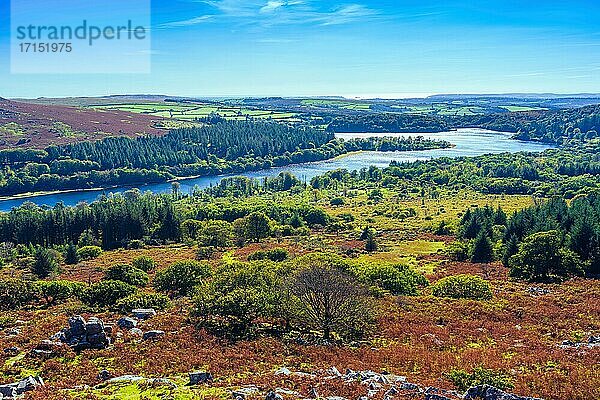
(276, 255)
(180, 278)
(17, 293)
(462, 287)
(89, 252)
(128, 274)
(480, 376)
(157, 301)
(144, 263)
(394, 278)
(60, 290)
(107, 293)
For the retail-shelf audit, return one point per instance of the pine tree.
(71, 256)
(511, 248)
(482, 249)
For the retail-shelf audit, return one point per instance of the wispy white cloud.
(188, 22)
(280, 12)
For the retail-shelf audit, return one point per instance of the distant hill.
(30, 125)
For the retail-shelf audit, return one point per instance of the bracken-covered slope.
(38, 126)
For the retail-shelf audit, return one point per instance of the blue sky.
(353, 48)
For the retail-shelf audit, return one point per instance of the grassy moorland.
(514, 333)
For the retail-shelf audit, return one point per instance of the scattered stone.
(47, 349)
(127, 323)
(200, 377)
(593, 341)
(105, 375)
(245, 391)
(391, 392)
(12, 351)
(283, 371)
(313, 393)
(537, 291)
(433, 396)
(487, 392)
(28, 384)
(156, 334)
(136, 332)
(273, 396)
(143, 313)
(13, 331)
(126, 379)
(162, 382)
(334, 372)
(410, 387)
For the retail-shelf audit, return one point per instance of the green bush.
(462, 287)
(16, 293)
(89, 252)
(180, 278)
(276, 255)
(60, 290)
(46, 262)
(107, 293)
(144, 263)
(458, 251)
(480, 376)
(396, 279)
(143, 300)
(128, 274)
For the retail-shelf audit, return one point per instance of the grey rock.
(104, 375)
(126, 379)
(143, 313)
(410, 386)
(12, 351)
(77, 325)
(313, 393)
(8, 391)
(126, 323)
(200, 377)
(273, 396)
(487, 392)
(136, 332)
(94, 326)
(28, 384)
(156, 334)
(283, 371)
(333, 371)
(433, 396)
(391, 391)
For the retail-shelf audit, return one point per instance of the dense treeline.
(548, 241)
(551, 126)
(555, 126)
(223, 148)
(388, 122)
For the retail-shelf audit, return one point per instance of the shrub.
(482, 251)
(128, 274)
(458, 251)
(144, 263)
(89, 252)
(239, 294)
(45, 263)
(180, 278)
(542, 258)
(60, 290)
(396, 279)
(16, 293)
(462, 287)
(107, 293)
(205, 253)
(157, 301)
(215, 234)
(480, 376)
(276, 255)
(71, 256)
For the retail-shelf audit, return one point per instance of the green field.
(192, 111)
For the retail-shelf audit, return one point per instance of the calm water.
(469, 142)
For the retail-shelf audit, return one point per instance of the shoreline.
(27, 195)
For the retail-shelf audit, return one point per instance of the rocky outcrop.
(487, 392)
(199, 377)
(13, 390)
(82, 334)
(593, 341)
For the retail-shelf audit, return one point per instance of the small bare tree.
(329, 299)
